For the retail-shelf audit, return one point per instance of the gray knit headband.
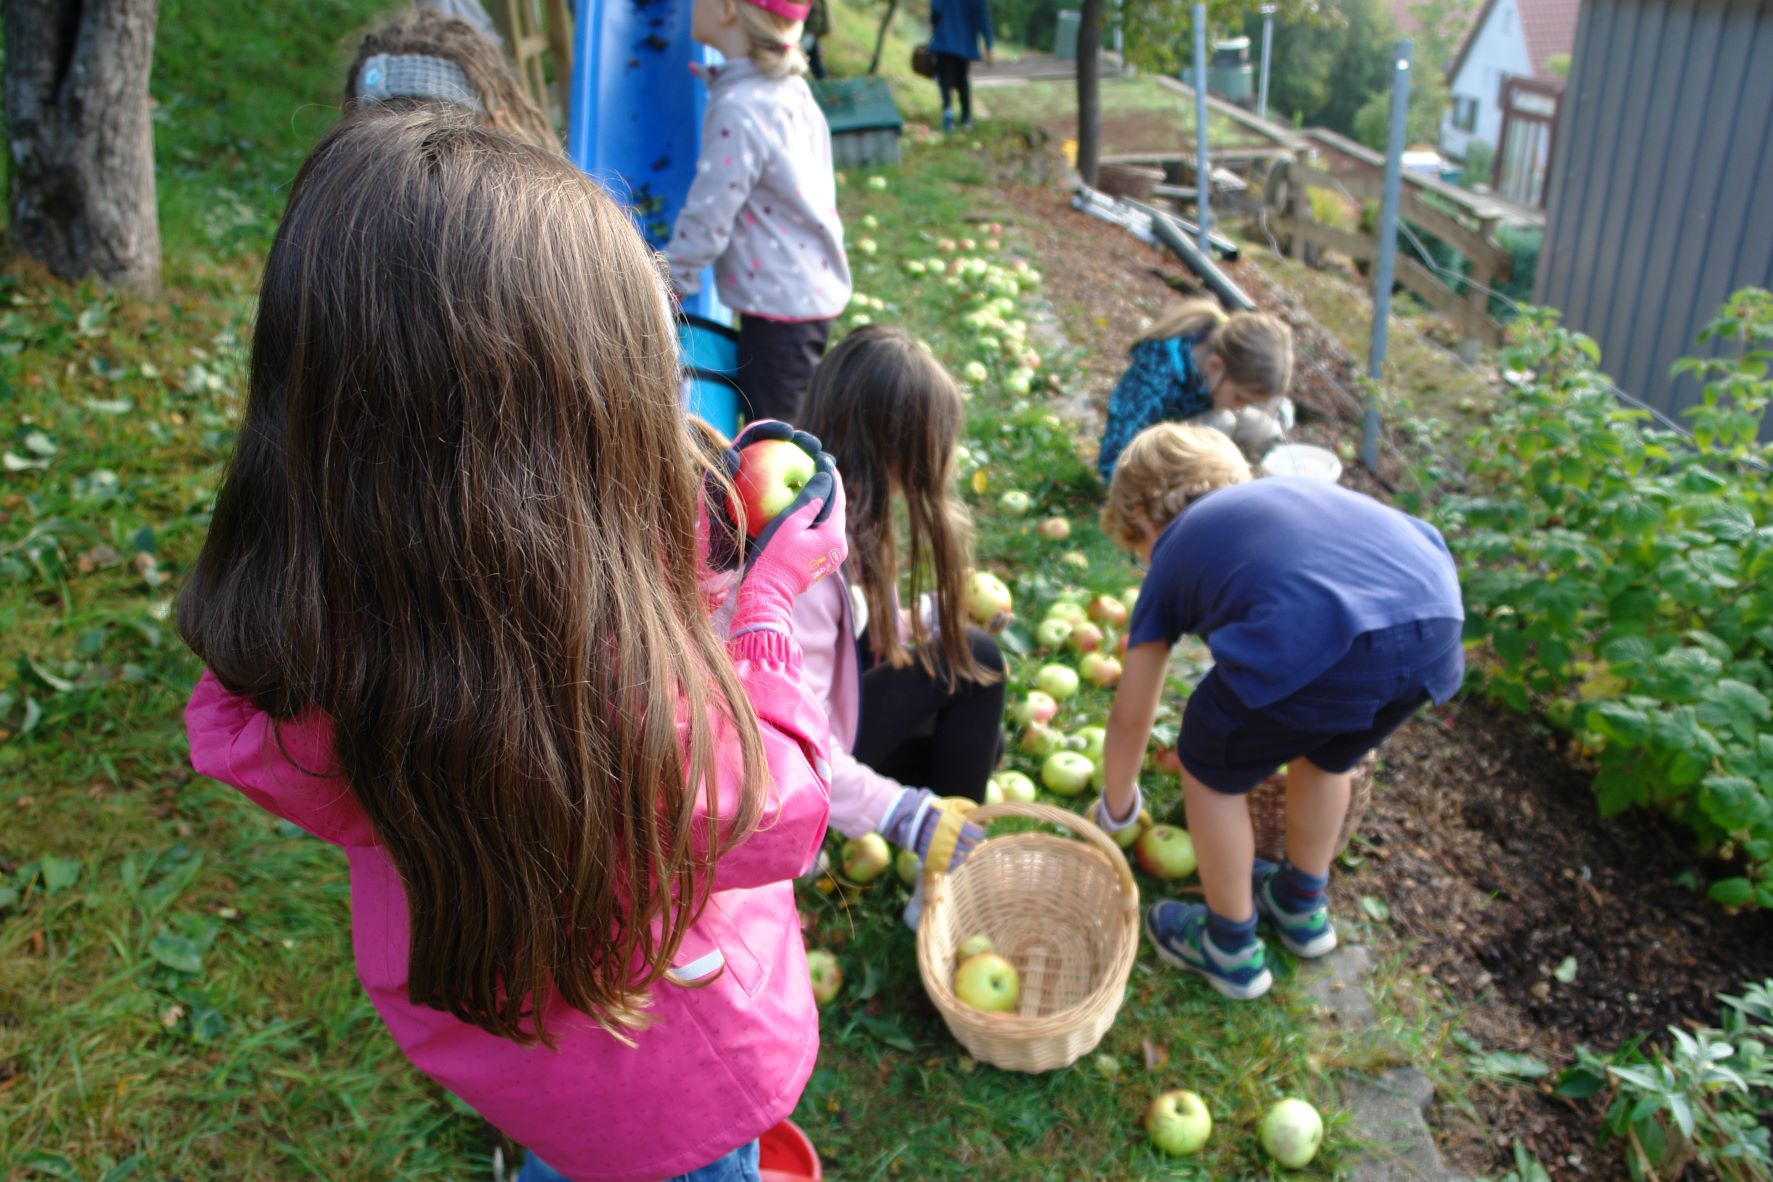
(415, 75)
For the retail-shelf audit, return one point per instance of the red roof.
(1547, 26)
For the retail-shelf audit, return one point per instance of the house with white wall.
(1510, 38)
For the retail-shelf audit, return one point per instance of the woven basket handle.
(957, 813)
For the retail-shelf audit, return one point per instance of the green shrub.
(1706, 1102)
(1480, 159)
(1619, 579)
(1331, 208)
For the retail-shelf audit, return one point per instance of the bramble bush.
(1619, 579)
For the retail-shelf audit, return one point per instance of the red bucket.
(785, 1155)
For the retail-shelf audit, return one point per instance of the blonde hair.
(1255, 348)
(1161, 471)
(775, 41)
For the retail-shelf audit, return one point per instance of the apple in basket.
(987, 982)
(1067, 772)
(827, 975)
(1178, 1123)
(977, 944)
(1292, 1132)
(1164, 851)
(1052, 634)
(1016, 787)
(771, 474)
(866, 858)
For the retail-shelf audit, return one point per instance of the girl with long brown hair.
(449, 604)
(915, 697)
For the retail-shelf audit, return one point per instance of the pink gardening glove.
(801, 545)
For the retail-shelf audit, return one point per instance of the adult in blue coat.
(958, 26)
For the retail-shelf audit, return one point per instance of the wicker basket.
(1128, 180)
(1268, 811)
(1063, 910)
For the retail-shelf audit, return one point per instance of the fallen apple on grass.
(1052, 634)
(1039, 739)
(1054, 529)
(771, 474)
(866, 858)
(987, 983)
(987, 597)
(826, 974)
(1058, 681)
(1291, 1133)
(1067, 772)
(1178, 1123)
(993, 792)
(1086, 637)
(1100, 669)
(1164, 851)
(1065, 609)
(1036, 707)
(1105, 609)
(1015, 502)
(1165, 759)
(1128, 837)
(975, 373)
(1016, 787)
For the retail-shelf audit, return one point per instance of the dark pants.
(815, 61)
(951, 78)
(923, 734)
(776, 360)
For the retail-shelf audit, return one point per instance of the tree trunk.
(82, 149)
(1089, 89)
(886, 23)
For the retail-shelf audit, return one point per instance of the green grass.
(176, 991)
(1138, 114)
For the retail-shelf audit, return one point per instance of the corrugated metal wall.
(1661, 196)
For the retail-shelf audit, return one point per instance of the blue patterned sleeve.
(1160, 385)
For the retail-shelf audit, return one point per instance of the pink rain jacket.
(720, 1064)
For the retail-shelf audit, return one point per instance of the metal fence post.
(1203, 174)
(1383, 267)
(1267, 52)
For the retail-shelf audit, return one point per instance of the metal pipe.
(1203, 169)
(1200, 262)
(1383, 267)
(1267, 52)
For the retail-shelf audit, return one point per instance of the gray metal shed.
(1661, 196)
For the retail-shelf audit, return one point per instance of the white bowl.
(1302, 459)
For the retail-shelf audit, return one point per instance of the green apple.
(986, 597)
(1129, 597)
(1291, 1133)
(1178, 1123)
(1067, 772)
(1095, 741)
(1100, 668)
(977, 944)
(993, 792)
(826, 974)
(1015, 502)
(1064, 609)
(1164, 851)
(1059, 681)
(1039, 739)
(867, 245)
(1036, 707)
(866, 858)
(870, 222)
(975, 372)
(987, 982)
(1019, 381)
(908, 866)
(877, 183)
(1128, 837)
(771, 474)
(1052, 634)
(1015, 787)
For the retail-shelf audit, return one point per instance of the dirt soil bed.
(1483, 839)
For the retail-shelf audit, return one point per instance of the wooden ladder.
(528, 37)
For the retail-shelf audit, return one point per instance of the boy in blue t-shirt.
(1331, 618)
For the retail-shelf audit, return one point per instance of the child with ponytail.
(763, 207)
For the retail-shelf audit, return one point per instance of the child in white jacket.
(763, 207)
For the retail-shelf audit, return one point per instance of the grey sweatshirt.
(763, 206)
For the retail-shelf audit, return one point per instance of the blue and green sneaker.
(1178, 931)
(1303, 933)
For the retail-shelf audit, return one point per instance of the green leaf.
(177, 953)
(1732, 892)
(1736, 705)
(1566, 970)
(59, 873)
(1509, 1065)
(1579, 1083)
(1732, 802)
(1728, 523)
(122, 1169)
(1629, 652)
(8, 897)
(54, 1166)
(109, 406)
(889, 1032)
(1376, 908)
(1619, 722)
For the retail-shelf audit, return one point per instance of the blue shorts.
(1384, 679)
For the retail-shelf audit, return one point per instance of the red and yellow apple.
(1164, 851)
(771, 474)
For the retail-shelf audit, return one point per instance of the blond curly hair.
(1161, 471)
